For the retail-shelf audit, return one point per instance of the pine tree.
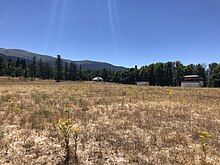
(10, 68)
(159, 74)
(168, 73)
(1, 66)
(66, 71)
(58, 68)
(33, 68)
(104, 74)
(40, 64)
(215, 77)
(17, 63)
(80, 72)
(72, 71)
(25, 73)
(47, 71)
(178, 73)
(151, 74)
(23, 64)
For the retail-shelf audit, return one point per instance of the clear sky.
(121, 32)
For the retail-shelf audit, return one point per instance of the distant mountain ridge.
(13, 54)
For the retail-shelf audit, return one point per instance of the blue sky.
(121, 32)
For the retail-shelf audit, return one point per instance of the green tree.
(168, 73)
(109, 78)
(25, 73)
(58, 68)
(104, 74)
(17, 63)
(80, 72)
(1, 66)
(47, 71)
(19, 72)
(66, 77)
(189, 69)
(124, 77)
(215, 77)
(23, 64)
(212, 66)
(210, 72)
(200, 70)
(132, 76)
(10, 69)
(33, 68)
(72, 71)
(178, 73)
(143, 74)
(41, 72)
(151, 74)
(159, 74)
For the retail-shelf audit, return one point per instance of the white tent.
(97, 79)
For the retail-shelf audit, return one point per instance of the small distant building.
(192, 81)
(97, 79)
(142, 83)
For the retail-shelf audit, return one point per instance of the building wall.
(192, 84)
(143, 83)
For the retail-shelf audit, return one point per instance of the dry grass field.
(118, 124)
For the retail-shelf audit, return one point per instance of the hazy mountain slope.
(85, 64)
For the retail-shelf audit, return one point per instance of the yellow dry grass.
(119, 124)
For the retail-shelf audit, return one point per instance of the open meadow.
(110, 124)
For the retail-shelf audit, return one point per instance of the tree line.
(158, 74)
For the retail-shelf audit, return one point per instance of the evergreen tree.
(4, 68)
(109, 79)
(189, 69)
(132, 76)
(151, 74)
(143, 74)
(72, 71)
(41, 72)
(168, 73)
(159, 74)
(116, 76)
(66, 71)
(80, 72)
(19, 71)
(58, 68)
(10, 71)
(104, 74)
(17, 63)
(200, 70)
(23, 64)
(33, 68)
(124, 77)
(210, 72)
(215, 77)
(211, 67)
(24, 68)
(47, 71)
(1, 66)
(178, 73)
(25, 73)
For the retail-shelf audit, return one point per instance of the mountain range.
(14, 54)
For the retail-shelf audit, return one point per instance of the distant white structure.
(142, 83)
(192, 81)
(97, 79)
